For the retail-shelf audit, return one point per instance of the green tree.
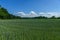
(53, 17)
(4, 14)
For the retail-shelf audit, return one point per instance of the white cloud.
(20, 14)
(33, 14)
(50, 14)
(46, 14)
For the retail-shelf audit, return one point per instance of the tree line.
(4, 14)
(43, 17)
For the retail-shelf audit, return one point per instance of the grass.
(30, 29)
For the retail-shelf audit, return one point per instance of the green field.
(30, 29)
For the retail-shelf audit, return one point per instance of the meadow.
(30, 29)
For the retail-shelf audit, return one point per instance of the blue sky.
(14, 6)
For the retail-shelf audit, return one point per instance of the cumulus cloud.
(45, 14)
(33, 14)
(20, 14)
(50, 14)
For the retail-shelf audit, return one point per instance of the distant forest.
(4, 14)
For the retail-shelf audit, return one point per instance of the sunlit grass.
(30, 29)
